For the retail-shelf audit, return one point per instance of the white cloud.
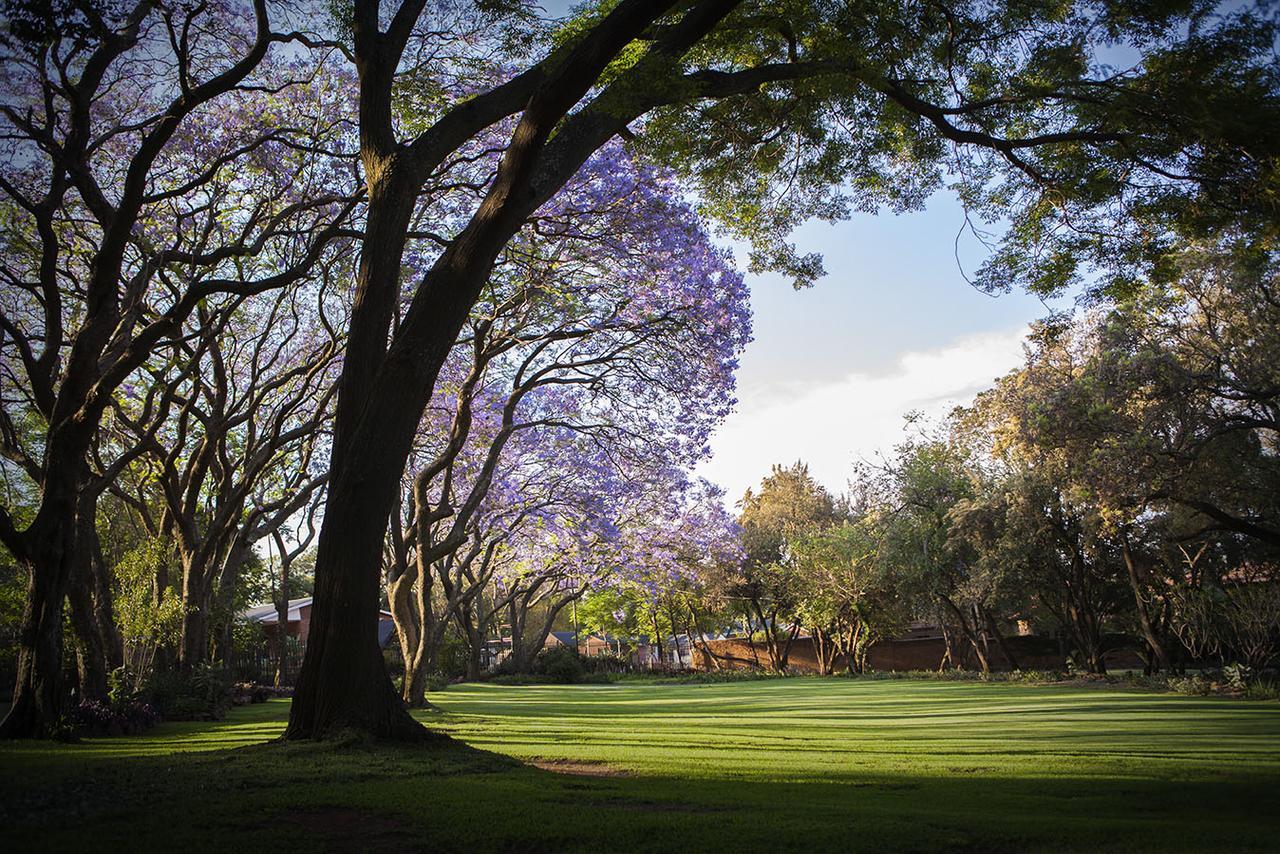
(831, 426)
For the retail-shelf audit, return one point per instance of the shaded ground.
(819, 764)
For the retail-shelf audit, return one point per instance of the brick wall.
(1032, 653)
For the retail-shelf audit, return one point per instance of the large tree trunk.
(91, 655)
(104, 612)
(344, 684)
(49, 556)
(232, 567)
(98, 646)
(193, 648)
(38, 694)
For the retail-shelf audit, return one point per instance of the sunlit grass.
(823, 763)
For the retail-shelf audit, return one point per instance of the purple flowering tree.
(607, 339)
(139, 181)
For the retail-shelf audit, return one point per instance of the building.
(298, 622)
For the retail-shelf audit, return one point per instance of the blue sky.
(893, 327)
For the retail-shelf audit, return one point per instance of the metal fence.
(263, 663)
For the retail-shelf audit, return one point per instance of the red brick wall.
(913, 654)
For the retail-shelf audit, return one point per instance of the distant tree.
(788, 505)
(849, 597)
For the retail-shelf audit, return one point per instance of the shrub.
(437, 681)
(1237, 677)
(244, 693)
(709, 677)
(1263, 689)
(606, 664)
(93, 717)
(1195, 685)
(451, 658)
(122, 686)
(204, 693)
(560, 663)
(186, 708)
(512, 678)
(1036, 676)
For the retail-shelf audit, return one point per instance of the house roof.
(566, 638)
(267, 614)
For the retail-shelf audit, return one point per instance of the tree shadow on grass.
(359, 795)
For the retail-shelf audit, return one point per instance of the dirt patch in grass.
(577, 767)
(347, 829)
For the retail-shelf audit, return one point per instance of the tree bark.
(1000, 639)
(969, 632)
(1161, 659)
(91, 653)
(48, 555)
(38, 693)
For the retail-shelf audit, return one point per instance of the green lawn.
(811, 764)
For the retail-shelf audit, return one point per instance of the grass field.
(811, 764)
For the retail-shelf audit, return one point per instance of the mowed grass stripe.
(822, 764)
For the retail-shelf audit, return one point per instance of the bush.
(1263, 689)
(561, 664)
(1031, 677)
(1195, 685)
(608, 664)
(202, 694)
(702, 677)
(451, 658)
(93, 717)
(1036, 676)
(244, 693)
(1237, 677)
(122, 686)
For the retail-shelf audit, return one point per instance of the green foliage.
(1237, 676)
(451, 657)
(560, 663)
(140, 620)
(13, 598)
(788, 503)
(909, 97)
(201, 694)
(122, 686)
(848, 592)
(1195, 685)
(789, 506)
(1263, 689)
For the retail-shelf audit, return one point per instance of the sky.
(893, 328)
